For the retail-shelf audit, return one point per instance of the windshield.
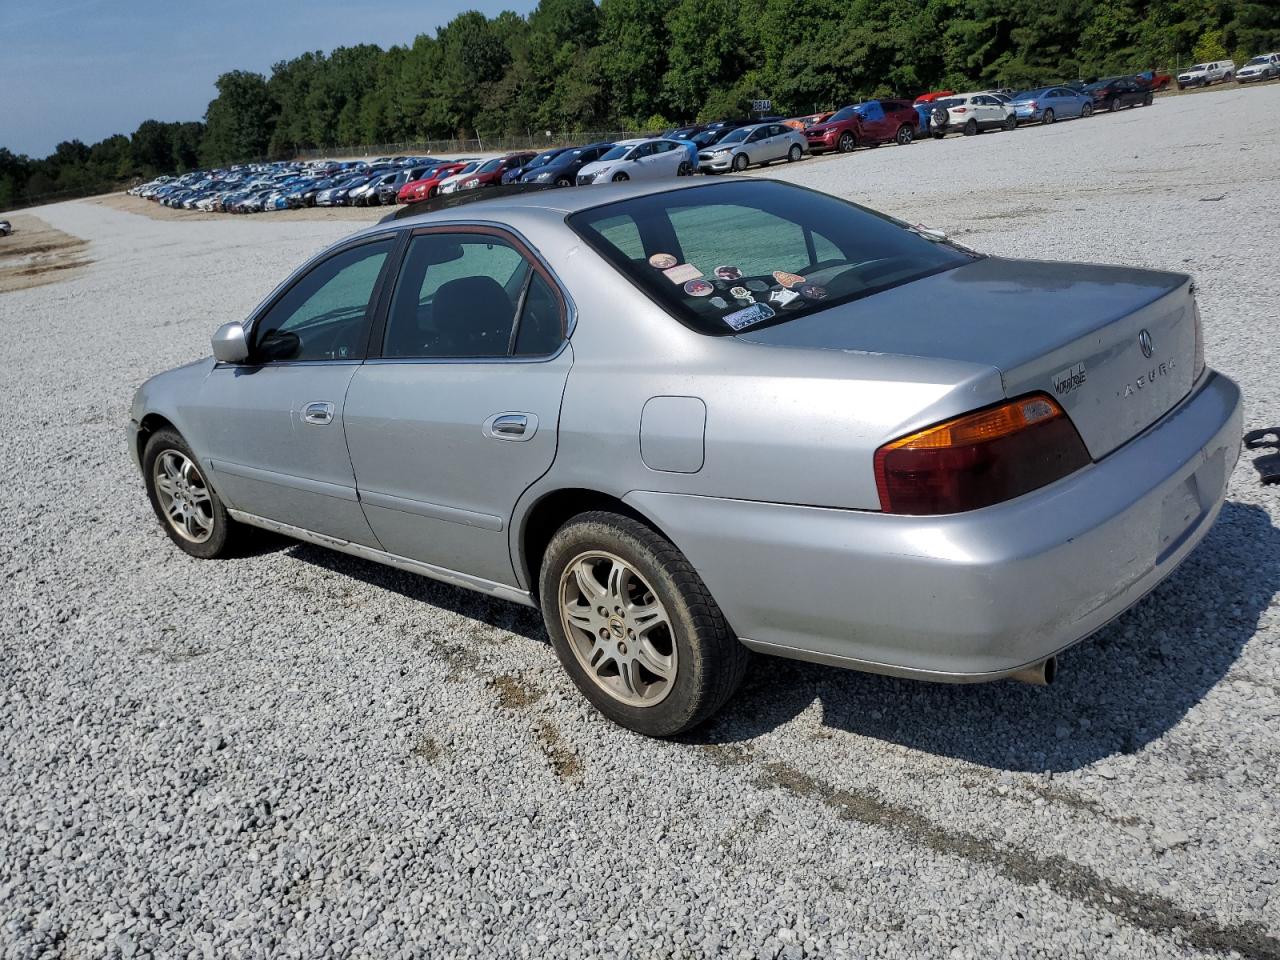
(1256, 60)
(617, 153)
(1198, 66)
(846, 113)
(736, 136)
(542, 159)
(728, 256)
(947, 104)
(489, 165)
(1097, 84)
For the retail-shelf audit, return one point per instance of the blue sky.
(89, 68)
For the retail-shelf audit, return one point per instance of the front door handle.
(318, 412)
(510, 426)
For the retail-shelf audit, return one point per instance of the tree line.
(579, 65)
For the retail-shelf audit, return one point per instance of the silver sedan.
(692, 421)
(747, 146)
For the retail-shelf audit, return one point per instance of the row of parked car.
(716, 147)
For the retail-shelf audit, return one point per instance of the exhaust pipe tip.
(1039, 674)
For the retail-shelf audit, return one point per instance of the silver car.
(746, 146)
(694, 419)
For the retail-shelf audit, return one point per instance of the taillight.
(979, 459)
(960, 109)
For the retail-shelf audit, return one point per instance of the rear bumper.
(974, 596)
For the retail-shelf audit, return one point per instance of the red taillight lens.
(960, 109)
(979, 459)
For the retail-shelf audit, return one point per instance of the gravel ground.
(299, 753)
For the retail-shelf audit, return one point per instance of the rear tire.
(971, 128)
(564, 182)
(657, 613)
(938, 135)
(905, 135)
(795, 153)
(1048, 117)
(191, 513)
(1148, 100)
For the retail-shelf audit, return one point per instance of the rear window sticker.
(662, 261)
(719, 303)
(755, 313)
(698, 288)
(742, 293)
(783, 297)
(684, 272)
(728, 273)
(811, 291)
(759, 286)
(788, 280)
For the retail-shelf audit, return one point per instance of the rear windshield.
(948, 104)
(725, 257)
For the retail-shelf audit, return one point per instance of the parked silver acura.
(690, 420)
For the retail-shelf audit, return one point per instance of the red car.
(865, 124)
(1155, 80)
(428, 186)
(934, 95)
(489, 173)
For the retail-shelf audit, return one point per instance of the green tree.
(239, 121)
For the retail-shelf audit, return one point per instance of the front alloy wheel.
(739, 162)
(847, 142)
(1086, 110)
(189, 509)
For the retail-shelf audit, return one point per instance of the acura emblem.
(1144, 341)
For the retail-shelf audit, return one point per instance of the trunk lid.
(1073, 331)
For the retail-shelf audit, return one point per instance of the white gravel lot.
(299, 754)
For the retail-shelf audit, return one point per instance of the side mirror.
(229, 343)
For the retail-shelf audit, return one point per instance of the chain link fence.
(533, 141)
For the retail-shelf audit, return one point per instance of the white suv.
(1203, 74)
(970, 113)
(1264, 67)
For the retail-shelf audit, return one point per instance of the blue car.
(1047, 104)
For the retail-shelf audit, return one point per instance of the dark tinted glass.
(539, 332)
(325, 314)
(728, 256)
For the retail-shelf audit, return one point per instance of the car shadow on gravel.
(1116, 692)
(499, 614)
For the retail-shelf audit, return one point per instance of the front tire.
(564, 182)
(1113, 104)
(739, 162)
(620, 177)
(1086, 110)
(1148, 100)
(635, 627)
(1011, 122)
(847, 142)
(190, 511)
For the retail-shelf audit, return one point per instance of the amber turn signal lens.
(978, 459)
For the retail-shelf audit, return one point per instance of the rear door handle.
(318, 412)
(511, 426)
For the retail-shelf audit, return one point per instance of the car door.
(667, 157)
(457, 414)
(779, 141)
(756, 146)
(270, 429)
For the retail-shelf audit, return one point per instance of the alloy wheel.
(847, 142)
(618, 629)
(183, 495)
